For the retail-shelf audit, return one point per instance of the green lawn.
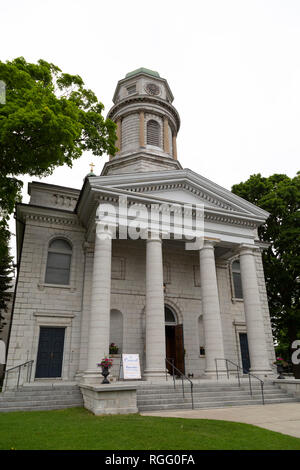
(78, 429)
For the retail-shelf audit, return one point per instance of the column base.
(155, 375)
(212, 374)
(262, 373)
(91, 377)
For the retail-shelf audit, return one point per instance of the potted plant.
(106, 364)
(280, 363)
(113, 348)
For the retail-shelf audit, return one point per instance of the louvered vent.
(153, 131)
(131, 89)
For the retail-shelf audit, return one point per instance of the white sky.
(233, 67)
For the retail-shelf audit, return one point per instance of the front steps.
(41, 397)
(218, 395)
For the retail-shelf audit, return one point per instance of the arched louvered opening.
(153, 133)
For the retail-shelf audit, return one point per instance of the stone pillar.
(119, 133)
(142, 129)
(253, 313)
(99, 323)
(155, 312)
(166, 136)
(211, 310)
(174, 145)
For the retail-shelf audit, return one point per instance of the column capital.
(210, 243)
(247, 249)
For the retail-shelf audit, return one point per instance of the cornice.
(47, 216)
(144, 99)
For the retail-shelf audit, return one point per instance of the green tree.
(6, 274)
(280, 196)
(47, 120)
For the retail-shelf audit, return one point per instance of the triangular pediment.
(182, 186)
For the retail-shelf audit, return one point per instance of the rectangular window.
(58, 269)
(237, 283)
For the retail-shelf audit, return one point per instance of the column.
(142, 129)
(211, 309)
(99, 323)
(155, 312)
(253, 314)
(174, 145)
(166, 136)
(119, 131)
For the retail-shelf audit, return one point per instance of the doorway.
(50, 352)
(174, 342)
(245, 352)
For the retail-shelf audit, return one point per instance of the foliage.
(78, 429)
(6, 271)
(105, 362)
(47, 120)
(280, 196)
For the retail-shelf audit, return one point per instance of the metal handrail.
(238, 367)
(24, 364)
(182, 376)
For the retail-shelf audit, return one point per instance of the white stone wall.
(39, 305)
(130, 132)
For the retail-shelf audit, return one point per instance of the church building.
(82, 287)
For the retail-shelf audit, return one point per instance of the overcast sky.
(233, 68)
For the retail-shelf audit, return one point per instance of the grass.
(78, 429)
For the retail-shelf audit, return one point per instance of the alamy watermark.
(128, 220)
(2, 92)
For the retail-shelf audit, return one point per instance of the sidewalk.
(283, 417)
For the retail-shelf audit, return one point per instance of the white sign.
(2, 352)
(131, 366)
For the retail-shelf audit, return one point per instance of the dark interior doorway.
(175, 347)
(50, 352)
(245, 352)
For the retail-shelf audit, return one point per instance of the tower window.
(153, 133)
(58, 262)
(131, 89)
(237, 280)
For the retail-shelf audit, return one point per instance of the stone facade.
(118, 288)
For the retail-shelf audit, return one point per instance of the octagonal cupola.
(147, 124)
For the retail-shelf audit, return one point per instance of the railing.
(27, 364)
(182, 376)
(238, 368)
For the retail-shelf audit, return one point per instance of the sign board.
(131, 366)
(2, 352)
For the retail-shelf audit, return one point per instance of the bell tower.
(147, 125)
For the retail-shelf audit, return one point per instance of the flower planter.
(105, 373)
(280, 371)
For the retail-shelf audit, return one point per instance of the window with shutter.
(153, 133)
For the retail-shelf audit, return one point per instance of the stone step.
(25, 393)
(72, 396)
(53, 401)
(157, 388)
(202, 393)
(40, 407)
(188, 399)
(214, 404)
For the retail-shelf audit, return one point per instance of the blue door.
(245, 352)
(50, 352)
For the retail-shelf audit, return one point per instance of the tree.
(47, 120)
(280, 196)
(6, 272)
